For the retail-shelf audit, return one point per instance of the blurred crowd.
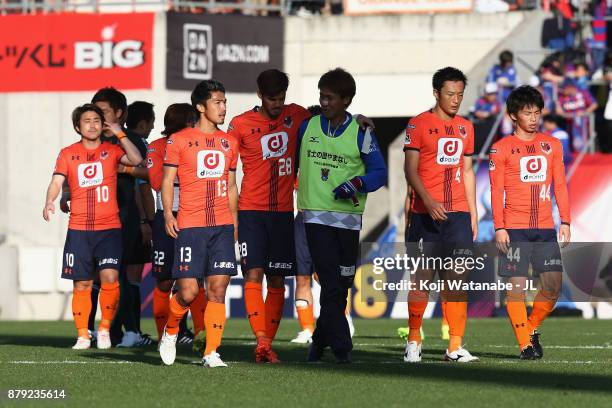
(575, 80)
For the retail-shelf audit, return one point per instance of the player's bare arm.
(55, 186)
(132, 156)
(469, 179)
(435, 209)
(167, 192)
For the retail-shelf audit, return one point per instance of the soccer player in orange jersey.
(178, 117)
(438, 165)
(267, 137)
(93, 242)
(204, 158)
(525, 168)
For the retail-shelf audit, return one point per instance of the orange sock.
(444, 319)
(275, 300)
(517, 312)
(416, 308)
(177, 311)
(198, 306)
(214, 320)
(161, 309)
(543, 304)
(456, 314)
(305, 314)
(81, 308)
(255, 308)
(109, 299)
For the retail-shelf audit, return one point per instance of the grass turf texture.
(576, 369)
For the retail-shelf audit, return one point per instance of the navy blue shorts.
(302, 253)
(163, 249)
(204, 251)
(452, 237)
(87, 252)
(538, 247)
(267, 241)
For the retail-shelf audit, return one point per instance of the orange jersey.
(527, 173)
(203, 162)
(92, 179)
(267, 151)
(441, 145)
(155, 162)
(155, 166)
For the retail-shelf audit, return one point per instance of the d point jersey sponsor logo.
(533, 169)
(449, 151)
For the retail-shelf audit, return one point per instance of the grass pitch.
(576, 369)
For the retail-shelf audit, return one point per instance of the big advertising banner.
(75, 52)
(230, 49)
(357, 7)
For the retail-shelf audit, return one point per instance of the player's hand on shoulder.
(365, 122)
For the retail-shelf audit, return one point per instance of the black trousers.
(334, 254)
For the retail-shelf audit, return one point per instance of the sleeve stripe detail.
(230, 169)
(59, 174)
(367, 141)
(411, 148)
(170, 165)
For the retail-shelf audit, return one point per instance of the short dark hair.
(506, 56)
(339, 82)
(522, 97)
(138, 111)
(447, 74)
(113, 97)
(204, 90)
(552, 118)
(80, 110)
(178, 117)
(581, 64)
(272, 82)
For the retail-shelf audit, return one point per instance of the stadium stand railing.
(105, 6)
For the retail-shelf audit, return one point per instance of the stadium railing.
(96, 6)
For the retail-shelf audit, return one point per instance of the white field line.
(545, 346)
(300, 363)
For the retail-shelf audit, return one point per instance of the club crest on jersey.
(225, 144)
(104, 155)
(546, 148)
(211, 164)
(408, 140)
(149, 162)
(288, 122)
(324, 174)
(90, 174)
(462, 131)
(491, 165)
(274, 145)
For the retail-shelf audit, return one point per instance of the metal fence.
(248, 7)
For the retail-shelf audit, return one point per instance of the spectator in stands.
(548, 94)
(504, 74)
(581, 75)
(597, 44)
(552, 126)
(488, 105)
(576, 107)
